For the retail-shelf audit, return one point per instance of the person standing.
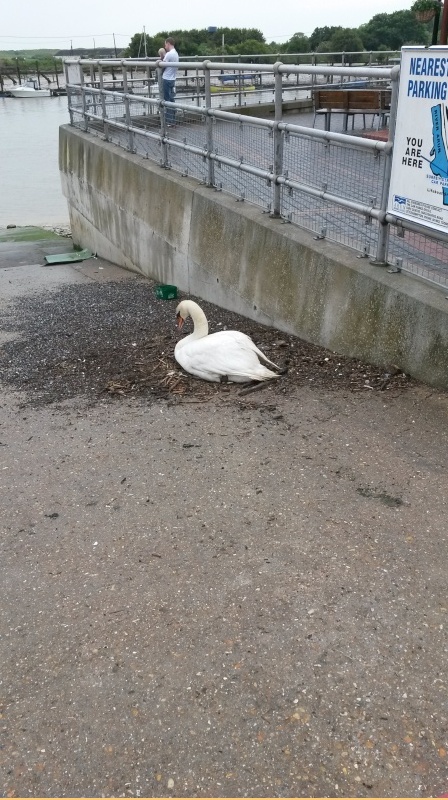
(169, 79)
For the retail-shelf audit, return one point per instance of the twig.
(256, 388)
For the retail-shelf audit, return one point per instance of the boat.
(30, 88)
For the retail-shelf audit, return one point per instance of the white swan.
(223, 356)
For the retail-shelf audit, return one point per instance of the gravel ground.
(207, 593)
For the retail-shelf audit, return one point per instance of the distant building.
(83, 52)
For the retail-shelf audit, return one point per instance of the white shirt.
(169, 73)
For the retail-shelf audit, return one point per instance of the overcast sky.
(55, 24)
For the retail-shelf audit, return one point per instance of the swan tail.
(261, 373)
(265, 358)
(267, 374)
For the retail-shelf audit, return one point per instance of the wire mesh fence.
(420, 255)
(332, 184)
(327, 221)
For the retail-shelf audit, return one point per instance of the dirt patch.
(103, 340)
(381, 495)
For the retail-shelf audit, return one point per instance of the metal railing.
(334, 184)
(355, 57)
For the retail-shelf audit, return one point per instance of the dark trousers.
(169, 96)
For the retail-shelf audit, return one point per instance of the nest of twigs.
(117, 339)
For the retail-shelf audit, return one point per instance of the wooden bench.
(350, 102)
(328, 102)
(369, 101)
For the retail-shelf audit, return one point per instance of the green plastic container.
(166, 292)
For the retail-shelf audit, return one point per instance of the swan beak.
(180, 321)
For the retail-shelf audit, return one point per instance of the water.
(30, 184)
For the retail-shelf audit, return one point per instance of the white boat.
(29, 88)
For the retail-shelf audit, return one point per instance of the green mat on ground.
(27, 233)
(68, 258)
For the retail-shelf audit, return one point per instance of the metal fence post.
(127, 110)
(198, 89)
(103, 99)
(103, 103)
(162, 110)
(84, 107)
(278, 139)
(383, 234)
(313, 76)
(209, 124)
(161, 107)
(92, 83)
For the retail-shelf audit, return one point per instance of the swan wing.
(222, 355)
(245, 341)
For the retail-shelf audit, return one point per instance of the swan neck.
(199, 321)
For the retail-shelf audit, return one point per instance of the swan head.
(182, 313)
(188, 308)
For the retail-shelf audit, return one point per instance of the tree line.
(382, 32)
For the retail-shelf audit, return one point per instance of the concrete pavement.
(232, 598)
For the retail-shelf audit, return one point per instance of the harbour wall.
(173, 230)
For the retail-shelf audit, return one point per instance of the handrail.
(224, 57)
(274, 172)
(305, 69)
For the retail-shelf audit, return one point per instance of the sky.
(52, 24)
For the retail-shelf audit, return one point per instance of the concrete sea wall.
(169, 228)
